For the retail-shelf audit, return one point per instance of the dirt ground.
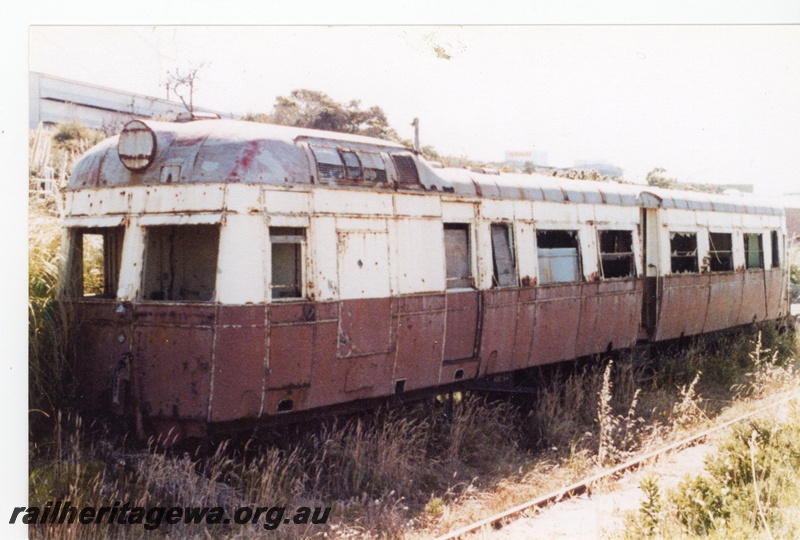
(599, 515)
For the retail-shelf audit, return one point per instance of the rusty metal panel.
(328, 372)
(363, 264)
(239, 370)
(754, 301)
(775, 279)
(419, 349)
(364, 327)
(418, 264)
(291, 353)
(610, 316)
(456, 371)
(557, 317)
(367, 376)
(173, 364)
(498, 330)
(684, 304)
(523, 336)
(173, 313)
(461, 325)
(725, 299)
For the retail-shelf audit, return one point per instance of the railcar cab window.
(504, 267)
(458, 258)
(616, 254)
(753, 251)
(95, 256)
(349, 165)
(720, 252)
(407, 174)
(288, 246)
(181, 263)
(559, 256)
(683, 253)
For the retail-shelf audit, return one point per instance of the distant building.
(537, 157)
(603, 167)
(55, 100)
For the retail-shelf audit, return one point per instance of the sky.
(708, 103)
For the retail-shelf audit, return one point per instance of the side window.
(616, 254)
(776, 250)
(181, 263)
(559, 256)
(374, 167)
(505, 273)
(720, 252)
(288, 245)
(329, 163)
(95, 262)
(753, 251)
(683, 253)
(458, 260)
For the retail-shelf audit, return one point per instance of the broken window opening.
(407, 174)
(753, 251)
(457, 255)
(559, 256)
(288, 244)
(616, 254)
(97, 254)
(329, 163)
(181, 263)
(776, 257)
(374, 167)
(720, 252)
(683, 253)
(505, 273)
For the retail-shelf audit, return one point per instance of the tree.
(182, 84)
(656, 178)
(317, 110)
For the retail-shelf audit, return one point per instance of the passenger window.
(96, 261)
(559, 256)
(352, 165)
(505, 273)
(374, 167)
(288, 244)
(683, 253)
(457, 255)
(329, 163)
(181, 263)
(616, 254)
(776, 250)
(753, 251)
(720, 251)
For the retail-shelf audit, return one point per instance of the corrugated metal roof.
(236, 151)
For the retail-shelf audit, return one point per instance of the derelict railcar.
(248, 270)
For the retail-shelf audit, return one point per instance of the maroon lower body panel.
(213, 363)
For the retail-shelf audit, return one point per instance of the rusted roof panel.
(209, 151)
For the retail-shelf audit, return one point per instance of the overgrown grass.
(748, 489)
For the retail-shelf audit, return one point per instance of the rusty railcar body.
(251, 271)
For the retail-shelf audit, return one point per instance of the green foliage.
(317, 110)
(75, 136)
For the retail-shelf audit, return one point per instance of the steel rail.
(582, 485)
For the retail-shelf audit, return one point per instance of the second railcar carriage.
(250, 270)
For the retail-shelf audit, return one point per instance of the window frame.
(578, 257)
(470, 277)
(289, 239)
(146, 295)
(511, 246)
(113, 237)
(694, 254)
(712, 252)
(760, 251)
(602, 256)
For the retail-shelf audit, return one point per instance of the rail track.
(583, 485)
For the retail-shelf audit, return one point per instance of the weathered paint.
(376, 317)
